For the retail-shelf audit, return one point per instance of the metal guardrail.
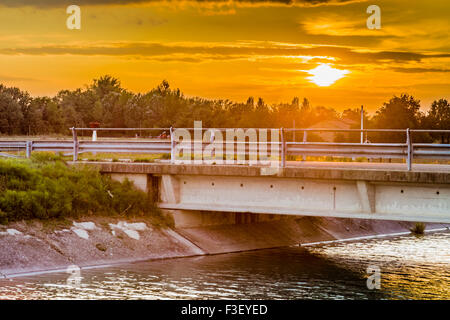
(12, 145)
(431, 151)
(408, 150)
(354, 150)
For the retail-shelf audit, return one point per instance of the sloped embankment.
(95, 241)
(34, 247)
(290, 231)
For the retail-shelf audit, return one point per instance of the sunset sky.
(233, 49)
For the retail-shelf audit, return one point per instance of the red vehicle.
(163, 135)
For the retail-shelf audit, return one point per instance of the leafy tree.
(251, 102)
(52, 116)
(105, 101)
(438, 117)
(105, 85)
(399, 113)
(11, 115)
(305, 104)
(164, 88)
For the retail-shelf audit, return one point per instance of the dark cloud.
(420, 70)
(12, 78)
(343, 55)
(59, 3)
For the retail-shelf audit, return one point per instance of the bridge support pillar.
(366, 193)
(170, 189)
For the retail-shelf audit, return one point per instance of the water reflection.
(411, 268)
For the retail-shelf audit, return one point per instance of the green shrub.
(147, 160)
(44, 157)
(45, 187)
(3, 217)
(291, 158)
(418, 229)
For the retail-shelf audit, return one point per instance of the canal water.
(409, 268)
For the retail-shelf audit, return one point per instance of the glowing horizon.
(233, 50)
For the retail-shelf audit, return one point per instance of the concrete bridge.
(214, 194)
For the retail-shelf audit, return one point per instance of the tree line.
(106, 102)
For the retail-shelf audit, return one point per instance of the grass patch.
(44, 187)
(144, 160)
(59, 223)
(114, 157)
(418, 229)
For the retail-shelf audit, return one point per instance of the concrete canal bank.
(34, 246)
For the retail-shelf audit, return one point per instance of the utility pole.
(294, 130)
(362, 124)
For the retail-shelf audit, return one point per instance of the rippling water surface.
(411, 268)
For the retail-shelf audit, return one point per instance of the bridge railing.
(166, 143)
(353, 150)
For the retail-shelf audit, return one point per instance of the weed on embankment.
(45, 187)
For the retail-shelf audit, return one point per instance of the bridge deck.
(375, 172)
(346, 190)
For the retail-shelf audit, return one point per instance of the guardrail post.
(410, 151)
(283, 149)
(75, 144)
(305, 139)
(29, 146)
(172, 146)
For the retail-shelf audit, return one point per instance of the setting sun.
(324, 75)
